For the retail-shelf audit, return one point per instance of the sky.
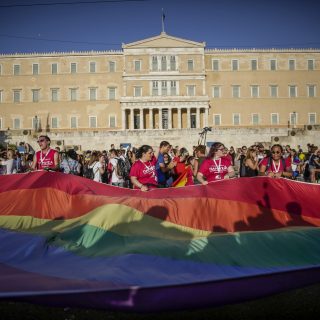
(82, 25)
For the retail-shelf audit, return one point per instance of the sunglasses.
(41, 140)
(276, 152)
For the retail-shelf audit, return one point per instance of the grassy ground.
(297, 304)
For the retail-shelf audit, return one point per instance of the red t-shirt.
(145, 172)
(214, 170)
(45, 160)
(276, 167)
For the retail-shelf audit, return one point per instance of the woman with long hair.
(276, 166)
(251, 163)
(216, 166)
(143, 174)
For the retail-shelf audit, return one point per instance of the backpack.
(88, 172)
(122, 169)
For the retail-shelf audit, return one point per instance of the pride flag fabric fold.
(70, 241)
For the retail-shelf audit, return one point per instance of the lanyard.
(43, 158)
(276, 168)
(217, 166)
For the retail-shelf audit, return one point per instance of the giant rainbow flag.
(70, 241)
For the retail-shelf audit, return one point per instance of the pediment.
(164, 41)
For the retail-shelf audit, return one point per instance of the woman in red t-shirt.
(276, 166)
(143, 172)
(216, 166)
(183, 168)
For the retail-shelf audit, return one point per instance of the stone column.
(198, 122)
(169, 118)
(123, 120)
(131, 124)
(179, 118)
(150, 118)
(188, 118)
(206, 116)
(160, 118)
(141, 119)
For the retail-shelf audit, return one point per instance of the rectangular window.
(16, 123)
(92, 121)
(73, 94)
(154, 88)
(54, 95)
(191, 90)
(273, 64)
(311, 91)
(235, 65)
(292, 91)
(154, 63)
(163, 63)
(216, 92)
(16, 96)
(312, 118)
(254, 64)
(236, 119)
(35, 69)
(310, 64)
(293, 118)
(54, 122)
(173, 88)
(93, 94)
(255, 119)
(54, 68)
(215, 65)
(112, 66)
(16, 69)
(36, 123)
(137, 65)
(164, 89)
(217, 119)
(274, 118)
(73, 67)
(112, 121)
(35, 95)
(137, 91)
(254, 91)
(165, 118)
(172, 63)
(112, 93)
(92, 67)
(73, 122)
(236, 91)
(274, 91)
(190, 65)
(292, 64)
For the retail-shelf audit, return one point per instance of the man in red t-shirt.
(46, 158)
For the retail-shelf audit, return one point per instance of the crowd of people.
(145, 168)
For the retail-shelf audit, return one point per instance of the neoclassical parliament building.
(159, 83)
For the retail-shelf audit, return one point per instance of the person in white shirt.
(10, 163)
(116, 178)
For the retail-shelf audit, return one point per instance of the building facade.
(160, 83)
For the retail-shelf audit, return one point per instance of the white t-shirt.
(97, 175)
(11, 166)
(114, 177)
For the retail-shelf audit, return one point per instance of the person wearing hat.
(46, 158)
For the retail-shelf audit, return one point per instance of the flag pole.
(162, 18)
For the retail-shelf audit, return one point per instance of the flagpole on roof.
(162, 18)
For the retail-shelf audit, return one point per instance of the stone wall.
(102, 139)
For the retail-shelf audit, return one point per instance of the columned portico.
(164, 115)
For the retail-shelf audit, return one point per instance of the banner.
(69, 241)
